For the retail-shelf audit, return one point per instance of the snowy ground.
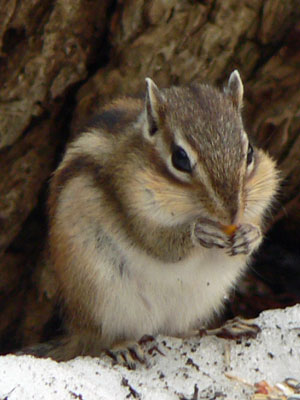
(198, 368)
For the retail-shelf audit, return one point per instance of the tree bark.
(61, 61)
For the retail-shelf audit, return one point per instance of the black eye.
(180, 160)
(249, 154)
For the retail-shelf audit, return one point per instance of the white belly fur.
(154, 297)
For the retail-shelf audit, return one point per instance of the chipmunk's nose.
(235, 208)
(230, 219)
(230, 228)
(230, 212)
(237, 217)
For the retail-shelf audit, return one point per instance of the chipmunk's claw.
(245, 239)
(209, 234)
(131, 353)
(128, 354)
(235, 328)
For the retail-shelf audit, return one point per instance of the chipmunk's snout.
(238, 214)
(233, 209)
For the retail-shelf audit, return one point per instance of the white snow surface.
(273, 355)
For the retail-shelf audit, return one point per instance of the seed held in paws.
(229, 229)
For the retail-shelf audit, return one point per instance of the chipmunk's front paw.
(209, 234)
(246, 238)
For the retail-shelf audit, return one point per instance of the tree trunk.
(60, 61)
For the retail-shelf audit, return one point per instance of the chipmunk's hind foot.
(131, 353)
(128, 353)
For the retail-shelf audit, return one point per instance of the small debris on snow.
(263, 368)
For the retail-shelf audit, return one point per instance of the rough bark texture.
(49, 48)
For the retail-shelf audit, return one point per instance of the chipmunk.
(155, 211)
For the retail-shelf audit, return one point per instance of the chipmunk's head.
(200, 161)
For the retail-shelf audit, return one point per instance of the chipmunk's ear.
(154, 104)
(235, 89)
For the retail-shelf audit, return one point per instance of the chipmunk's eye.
(180, 160)
(249, 154)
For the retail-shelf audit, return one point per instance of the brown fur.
(116, 194)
